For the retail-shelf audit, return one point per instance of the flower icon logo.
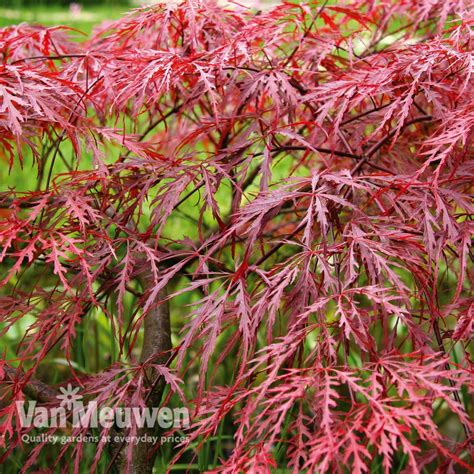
(69, 396)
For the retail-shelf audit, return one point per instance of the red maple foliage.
(320, 156)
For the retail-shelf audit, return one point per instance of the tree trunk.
(156, 340)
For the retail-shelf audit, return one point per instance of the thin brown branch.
(33, 388)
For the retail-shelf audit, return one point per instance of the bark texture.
(156, 347)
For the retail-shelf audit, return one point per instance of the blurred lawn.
(84, 19)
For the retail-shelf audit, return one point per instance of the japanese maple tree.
(266, 216)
